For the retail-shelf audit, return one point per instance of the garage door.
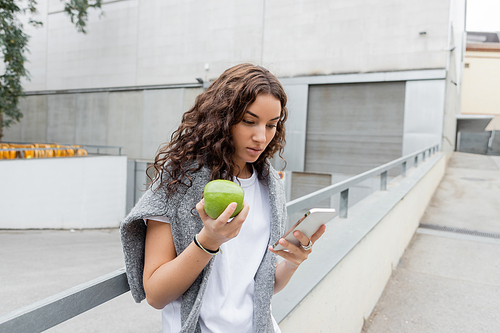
(352, 128)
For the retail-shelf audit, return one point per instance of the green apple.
(219, 194)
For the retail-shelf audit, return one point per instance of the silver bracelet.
(212, 253)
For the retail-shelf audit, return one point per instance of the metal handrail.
(60, 307)
(34, 148)
(342, 187)
(63, 147)
(53, 310)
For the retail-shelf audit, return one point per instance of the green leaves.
(14, 46)
(77, 11)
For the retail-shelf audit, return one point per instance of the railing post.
(423, 155)
(416, 161)
(383, 181)
(344, 203)
(403, 169)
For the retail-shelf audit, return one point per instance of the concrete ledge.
(426, 74)
(340, 283)
(67, 193)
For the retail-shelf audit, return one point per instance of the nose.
(259, 134)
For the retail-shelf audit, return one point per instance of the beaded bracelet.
(212, 253)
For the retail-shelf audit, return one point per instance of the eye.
(249, 122)
(271, 126)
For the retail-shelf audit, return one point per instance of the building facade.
(481, 81)
(368, 81)
(479, 121)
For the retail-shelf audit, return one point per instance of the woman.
(216, 275)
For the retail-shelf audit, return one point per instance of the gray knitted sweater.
(185, 223)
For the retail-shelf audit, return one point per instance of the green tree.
(14, 46)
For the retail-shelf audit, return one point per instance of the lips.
(254, 150)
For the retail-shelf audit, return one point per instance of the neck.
(245, 172)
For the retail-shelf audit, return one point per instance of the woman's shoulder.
(157, 200)
(193, 185)
(192, 175)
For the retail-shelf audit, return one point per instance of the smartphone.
(307, 224)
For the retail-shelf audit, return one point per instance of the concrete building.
(480, 111)
(368, 81)
(481, 81)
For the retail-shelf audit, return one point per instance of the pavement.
(448, 279)
(35, 264)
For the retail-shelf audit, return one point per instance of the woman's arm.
(167, 276)
(293, 256)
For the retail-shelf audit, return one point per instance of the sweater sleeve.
(133, 237)
(178, 208)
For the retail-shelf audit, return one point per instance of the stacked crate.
(39, 150)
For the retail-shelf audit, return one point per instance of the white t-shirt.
(228, 300)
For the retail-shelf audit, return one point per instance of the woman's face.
(252, 135)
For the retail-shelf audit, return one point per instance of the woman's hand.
(218, 231)
(293, 256)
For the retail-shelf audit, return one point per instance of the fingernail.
(233, 205)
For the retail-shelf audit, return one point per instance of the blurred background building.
(480, 115)
(368, 81)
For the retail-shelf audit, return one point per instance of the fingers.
(297, 254)
(289, 247)
(318, 233)
(200, 207)
(303, 238)
(288, 256)
(244, 212)
(238, 219)
(221, 230)
(226, 214)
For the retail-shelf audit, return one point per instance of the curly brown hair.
(204, 135)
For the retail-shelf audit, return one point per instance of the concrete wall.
(159, 42)
(451, 105)
(486, 142)
(423, 114)
(457, 38)
(70, 192)
(370, 243)
(481, 83)
(140, 121)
